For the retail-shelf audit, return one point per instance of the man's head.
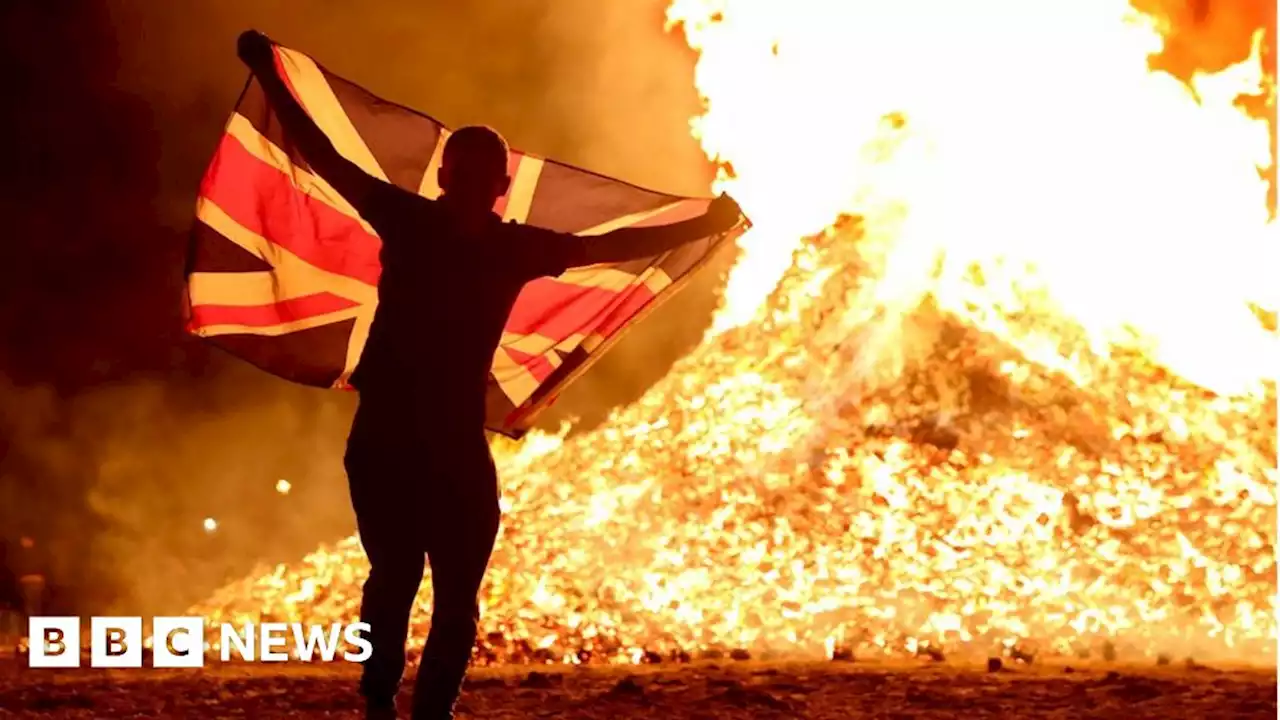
(473, 170)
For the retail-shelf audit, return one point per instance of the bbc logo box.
(179, 642)
(115, 642)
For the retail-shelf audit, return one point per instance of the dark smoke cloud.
(117, 481)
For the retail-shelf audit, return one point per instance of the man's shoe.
(380, 711)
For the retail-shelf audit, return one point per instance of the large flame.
(992, 372)
(1040, 154)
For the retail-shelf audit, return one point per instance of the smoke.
(119, 435)
(117, 483)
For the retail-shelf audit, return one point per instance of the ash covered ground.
(706, 691)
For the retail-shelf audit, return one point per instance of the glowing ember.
(210, 525)
(283, 487)
(1023, 402)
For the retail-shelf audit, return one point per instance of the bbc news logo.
(179, 642)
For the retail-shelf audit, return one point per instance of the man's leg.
(464, 524)
(395, 574)
(392, 541)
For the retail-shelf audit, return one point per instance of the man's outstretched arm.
(352, 183)
(635, 243)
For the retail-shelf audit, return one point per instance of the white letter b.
(115, 642)
(55, 642)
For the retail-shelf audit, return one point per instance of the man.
(421, 477)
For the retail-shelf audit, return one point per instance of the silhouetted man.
(421, 477)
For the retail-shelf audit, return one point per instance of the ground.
(702, 691)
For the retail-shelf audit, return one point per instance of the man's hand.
(724, 213)
(633, 243)
(255, 50)
(352, 183)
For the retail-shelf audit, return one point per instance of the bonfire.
(992, 373)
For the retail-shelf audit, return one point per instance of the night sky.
(118, 433)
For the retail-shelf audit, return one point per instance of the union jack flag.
(283, 272)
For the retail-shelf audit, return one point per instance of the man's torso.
(443, 299)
